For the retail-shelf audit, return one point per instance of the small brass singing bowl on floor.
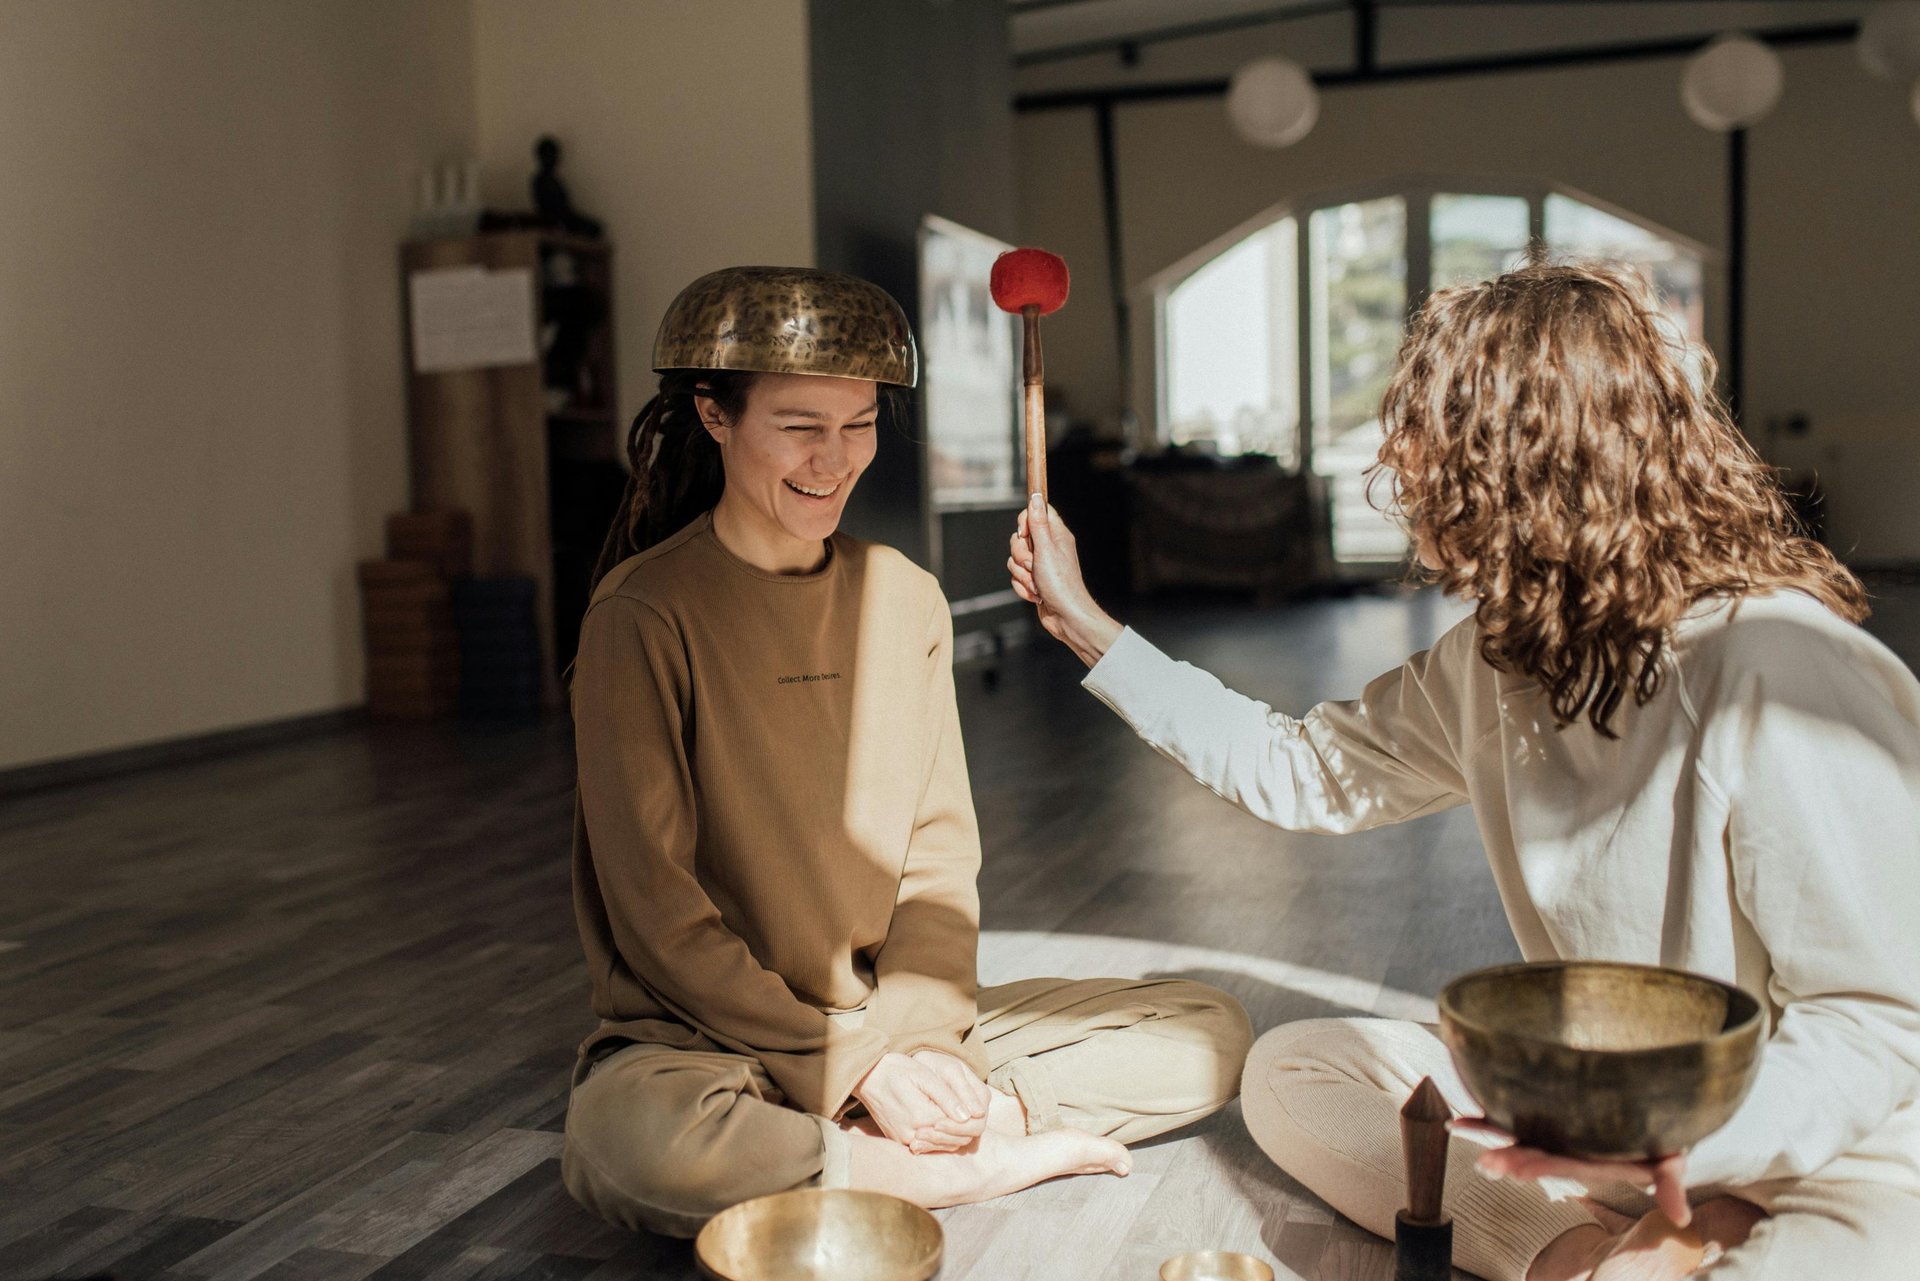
(1215, 1265)
(1599, 1059)
(821, 1234)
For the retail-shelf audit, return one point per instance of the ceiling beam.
(1183, 31)
(1781, 37)
(1275, 15)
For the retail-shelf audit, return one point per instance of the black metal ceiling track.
(1735, 347)
(1035, 6)
(1780, 37)
(1183, 31)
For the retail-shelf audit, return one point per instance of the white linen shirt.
(1757, 821)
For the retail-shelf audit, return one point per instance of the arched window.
(1278, 342)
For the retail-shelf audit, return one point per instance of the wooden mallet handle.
(1033, 373)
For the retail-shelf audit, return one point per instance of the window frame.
(1418, 192)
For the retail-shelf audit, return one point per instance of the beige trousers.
(664, 1137)
(1322, 1097)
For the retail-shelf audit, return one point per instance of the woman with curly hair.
(1680, 749)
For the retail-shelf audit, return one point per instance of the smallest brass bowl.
(821, 1234)
(1215, 1265)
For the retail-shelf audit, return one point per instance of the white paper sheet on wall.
(471, 318)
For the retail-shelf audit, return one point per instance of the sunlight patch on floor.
(1006, 955)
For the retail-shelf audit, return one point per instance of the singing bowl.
(821, 1234)
(1215, 1265)
(1599, 1059)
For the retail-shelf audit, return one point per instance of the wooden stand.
(482, 439)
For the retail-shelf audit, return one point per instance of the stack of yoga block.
(413, 649)
(439, 640)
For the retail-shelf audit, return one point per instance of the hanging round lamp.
(1889, 41)
(1732, 83)
(1272, 102)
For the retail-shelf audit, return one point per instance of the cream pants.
(1322, 1097)
(664, 1137)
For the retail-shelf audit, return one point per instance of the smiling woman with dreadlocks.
(774, 842)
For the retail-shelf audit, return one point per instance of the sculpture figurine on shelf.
(550, 196)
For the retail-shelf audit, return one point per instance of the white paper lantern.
(1272, 102)
(1732, 83)
(1889, 44)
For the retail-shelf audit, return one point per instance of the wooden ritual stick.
(1422, 1233)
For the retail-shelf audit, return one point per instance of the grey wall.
(912, 115)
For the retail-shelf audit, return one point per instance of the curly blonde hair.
(1553, 456)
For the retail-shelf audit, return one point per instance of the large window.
(1574, 227)
(1232, 369)
(1281, 343)
(1358, 305)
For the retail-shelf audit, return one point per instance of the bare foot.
(1725, 1222)
(994, 1166)
(1611, 1219)
(1006, 1114)
(1651, 1249)
(1654, 1249)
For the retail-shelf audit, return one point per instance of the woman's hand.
(1665, 1179)
(927, 1101)
(1045, 565)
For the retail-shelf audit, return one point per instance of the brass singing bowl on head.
(1601, 1059)
(1215, 1265)
(821, 1234)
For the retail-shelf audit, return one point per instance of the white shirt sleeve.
(1343, 767)
(1818, 749)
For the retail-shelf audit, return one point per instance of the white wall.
(1833, 285)
(202, 398)
(686, 129)
(201, 406)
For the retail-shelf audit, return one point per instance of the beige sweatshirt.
(1758, 821)
(773, 821)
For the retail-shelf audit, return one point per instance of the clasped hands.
(927, 1101)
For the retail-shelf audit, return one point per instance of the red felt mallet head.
(1025, 278)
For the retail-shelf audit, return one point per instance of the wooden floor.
(308, 1012)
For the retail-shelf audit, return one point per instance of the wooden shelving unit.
(485, 440)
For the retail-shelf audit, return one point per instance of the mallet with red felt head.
(1032, 283)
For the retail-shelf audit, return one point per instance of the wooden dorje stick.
(1032, 283)
(1423, 1234)
(1423, 1137)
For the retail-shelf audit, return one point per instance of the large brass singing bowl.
(1599, 1059)
(821, 1235)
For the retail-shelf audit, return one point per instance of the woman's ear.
(710, 416)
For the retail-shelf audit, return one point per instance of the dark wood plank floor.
(309, 1012)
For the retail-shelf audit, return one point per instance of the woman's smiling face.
(791, 460)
